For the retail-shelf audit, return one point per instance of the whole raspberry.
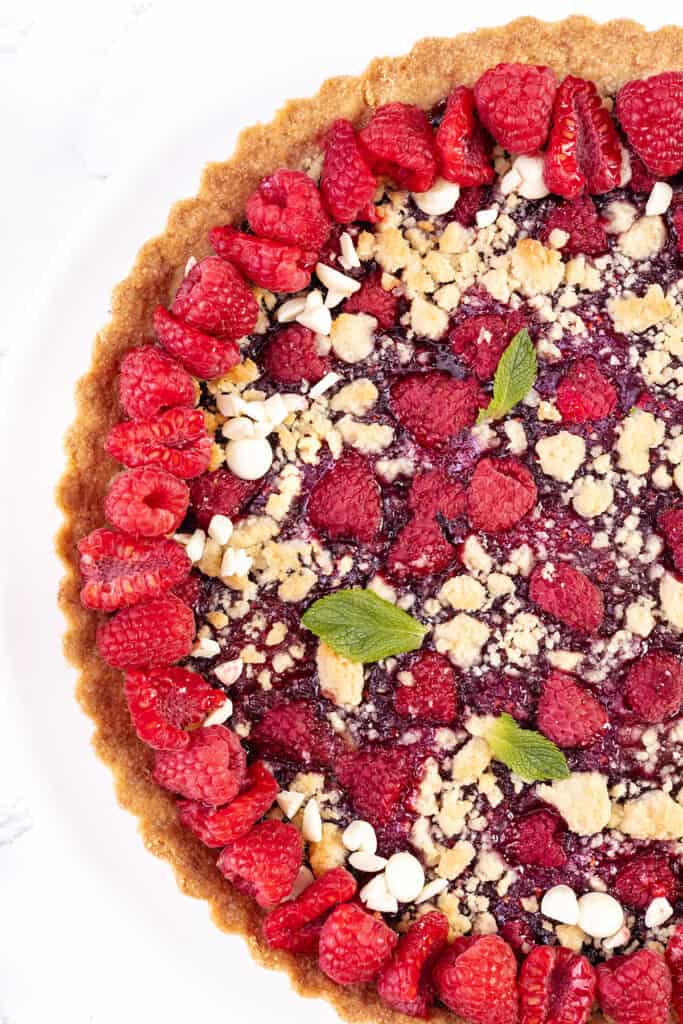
(220, 493)
(645, 878)
(578, 219)
(556, 985)
(146, 502)
(224, 825)
(479, 341)
(514, 103)
(635, 989)
(404, 983)
(584, 394)
(148, 635)
(150, 381)
(461, 144)
(468, 205)
(296, 925)
(353, 945)
(427, 689)
(175, 440)
(654, 687)
(215, 298)
(567, 595)
(400, 144)
(583, 151)
(377, 779)
(434, 406)
(163, 703)
(265, 862)
(478, 982)
(674, 958)
(291, 356)
(651, 113)
(500, 493)
(345, 503)
(271, 265)
(200, 353)
(347, 184)
(421, 549)
(286, 207)
(567, 714)
(119, 570)
(294, 732)
(671, 525)
(434, 492)
(372, 299)
(211, 768)
(536, 839)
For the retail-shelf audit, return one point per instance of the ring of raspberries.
(279, 444)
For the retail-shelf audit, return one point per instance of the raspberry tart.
(374, 533)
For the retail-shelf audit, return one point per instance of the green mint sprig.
(525, 751)
(361, 626)
(514, 378)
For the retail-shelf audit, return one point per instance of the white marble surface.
(86, 91)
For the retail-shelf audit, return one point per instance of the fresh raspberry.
(671, 525)
(286, 207)
(220, 493)
(377, 780)
(567, 595)
(641, 179)
(583, 151)
(476, 979)
(514, 103)
(294, 732)
(404, 983)
(165, 702)
(500, 493)
(651, 113)
(215, 298)
(371, 298)
(643, 879)
(567, 714)
(468, 205)
(400, 144)
(431, 694)
(460, 142)
(677, 219)
(579, 219)
(175, 440)
(119, 570)
(584, 393)
(148, 635)
(265, 862)
(421, 549)
(536, 839)
(200, 353)
(434, 406)
(150, 381)
(271, 265)
(635, 989)
(146, 502)
(291, 356)
(224, 825)
(211, 768)
(296, 925)
(674, 958)
(354, 946)
(434, 492)
(345, 503)
(654, 686)
(347, 184)
(556, 986)
(191, 589)
(479, 341)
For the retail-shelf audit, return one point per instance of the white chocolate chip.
(441, 197)
(290, 310)
(376, 896)
(289, 802)
(560, 904)
(206, 648)
(315, 315)
(600, 915)
(311, 824)
(620, 938)
(659, 200)
(324, 384)
(433, 888)
(360, 835)
(229, 672)
(369, 863)
(335, 281)
(349, 257)
(220, 715)
(249, 458)
(194, 549)
(526, 178)
(485, 218)
(405, 877)
(659, 911)
(220, 529)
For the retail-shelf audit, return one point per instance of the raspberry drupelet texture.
(146, 502)
(215, 298)
(264, 863)
(165, 702)
(151, 634)
(345, 502)
(405, 983)
(514, 102)
(149, 381)
(220, 826)
(354, 946)
(211, 768)
(200, 353)
(399, 142)
(175, 440)
(476, 979)
(296, 925)
(119, 571)
(347, 184)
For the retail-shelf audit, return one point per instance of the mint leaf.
(526, 752)
(362, 626)
(515, 376)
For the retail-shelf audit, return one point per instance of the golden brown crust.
(609, 54)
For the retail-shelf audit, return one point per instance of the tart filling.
(403, 498)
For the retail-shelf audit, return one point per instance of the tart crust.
(609, 54)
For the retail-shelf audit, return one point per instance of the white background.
(107, 112)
